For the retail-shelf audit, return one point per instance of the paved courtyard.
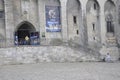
(61, 71)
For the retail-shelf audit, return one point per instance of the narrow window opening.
(77, 31)
(75, 19)
(93, 38)
(1, 14)
(110, 27)
(93, 27)
(95, 6)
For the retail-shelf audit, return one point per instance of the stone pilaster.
(103, 25)
(83, 26)
(9, 22)
(64, 20)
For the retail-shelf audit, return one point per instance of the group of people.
(25, 41)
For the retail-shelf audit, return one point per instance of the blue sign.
(53, 22)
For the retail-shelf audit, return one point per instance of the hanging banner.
(53, 23)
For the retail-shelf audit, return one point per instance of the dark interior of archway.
(22, 32)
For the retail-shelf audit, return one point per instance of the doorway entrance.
(24, 34)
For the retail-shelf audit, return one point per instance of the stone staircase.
(92, 53)
(38, 54)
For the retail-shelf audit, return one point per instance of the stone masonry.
(89, 30)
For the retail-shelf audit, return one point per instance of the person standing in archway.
(26, 40)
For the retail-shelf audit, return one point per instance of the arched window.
(110, 16)
(109, 22)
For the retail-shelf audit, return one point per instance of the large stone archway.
(109, 9)
(110, 20)
(93, 23)
(74, 15)
(23, 33)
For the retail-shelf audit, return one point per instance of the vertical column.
(64, 20)
(103, 27)
(9, 22)
(41, 17)
(117, 28)
(83, 26)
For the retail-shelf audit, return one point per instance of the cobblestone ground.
(61, 71)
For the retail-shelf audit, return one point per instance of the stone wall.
(21, 55)
(25, 10)
(36, 15)
(74, 18)
(14, 15)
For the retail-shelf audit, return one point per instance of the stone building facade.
(87, 24)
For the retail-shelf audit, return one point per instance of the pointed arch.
(109, 5)
(94, 4)
(29, 26)
(23, 33)
(74, 20)
(110, 10)
(53, 2)
(93, 22)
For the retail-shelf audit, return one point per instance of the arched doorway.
(26, 34)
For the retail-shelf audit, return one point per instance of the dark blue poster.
(53, 23)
